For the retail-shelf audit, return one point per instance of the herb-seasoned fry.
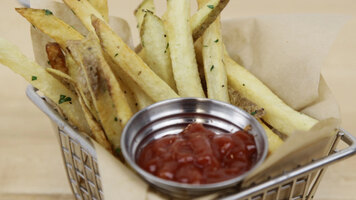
(49, 24)
(205, 16)
(278, 114)
(185, 68)
(96, 130)
(66, 100)
(131, 63)
(145, 6)
(156, 47)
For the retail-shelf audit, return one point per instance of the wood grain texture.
(30, 161)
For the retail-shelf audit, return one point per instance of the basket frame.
(80, 160)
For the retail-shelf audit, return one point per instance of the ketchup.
(199, 156)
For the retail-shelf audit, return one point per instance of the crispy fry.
(185, 68)
(56, 57)
(102, 7)
(132, 64)
(205, 16)
(238, 100)
(83, 10)
(66, 100)
(96, 130)
(213, 54)
(84, 55)
(145, 5)
(155, 44)
(278, 114)
(49, 24)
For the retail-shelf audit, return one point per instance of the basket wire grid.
(83, 174)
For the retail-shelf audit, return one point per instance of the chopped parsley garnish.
(48, 62)
(118, 150)
(48, 12)
(254, 112)
(243, 84)
(63, 99)
(216, 41)
(211, 68)
(205, 45)
(115, 119)
(34, 78)
(116, 54)
(222, 85)
(211, 6)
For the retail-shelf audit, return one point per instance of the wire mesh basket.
(83, 174)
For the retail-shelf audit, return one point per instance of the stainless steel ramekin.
(171, 117)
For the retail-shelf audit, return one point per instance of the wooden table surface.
(30, 162)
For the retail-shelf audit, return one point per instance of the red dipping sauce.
(199, 156)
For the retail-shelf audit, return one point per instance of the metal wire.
(80, 161)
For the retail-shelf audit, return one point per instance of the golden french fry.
(238, 100)
(206, 15)
(85, 55)
(131, 63)
(102, 7)
(97, 132)
(214, 69)
(66, 100)
(145, 5)
(83, 10)
(185, 68)
(49, 24)
(155, 45)
(278, 114)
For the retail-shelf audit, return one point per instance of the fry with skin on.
(209, 11)
(213, 54)
(278, 114)
(66, 100)
(156, 48)
(145, 5)
(85, 56)
(131, 63)
(102, 7)
(56, 57)
(97, 132)
(184, 64)
(49, 24)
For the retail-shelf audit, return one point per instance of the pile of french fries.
(98, 82)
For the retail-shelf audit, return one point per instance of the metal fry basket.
(79, 157)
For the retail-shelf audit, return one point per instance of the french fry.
(278, 114)
(56, 57)
(85, 55)
(184, 65)
(96, 130)
(66, 100)
(49, 24)
(145, 5)
(238, 100)
(131, 63)
(155, 45)
(274, 141)
(205, 16)
(102, 7)
(83, 10)
(214, 69)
